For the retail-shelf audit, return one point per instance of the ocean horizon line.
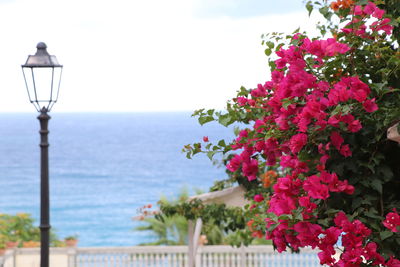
(99, 112)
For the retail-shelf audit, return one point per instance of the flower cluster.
(392, 221)
(353, 238)
(314, 157)
(362, 14)
(306, 112)
(145, 212)
(342, 4)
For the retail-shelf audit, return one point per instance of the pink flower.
(258, 198)
(358, 11)
(338, 94)
(307, 233)
(359, 95)
(281, 204)
(242, 101)
(378, 13)
(307, 204)
(334, 121)
(259, 92)
(370, 253)
(337, 140)
(354, 126)
(370, 105)
(341, 219)
(325, 257)
(370, 8)
(234, 163)
(392, 221)
(382, 25)
(250, 169)
(345, 151)
(315, 188)
(297, 142)
(392, 262)
(324, 159)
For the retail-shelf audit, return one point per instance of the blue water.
(103, 167)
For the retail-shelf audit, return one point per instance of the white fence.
(161, 256)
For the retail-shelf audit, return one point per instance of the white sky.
(147, 55)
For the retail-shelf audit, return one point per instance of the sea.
(103, 168)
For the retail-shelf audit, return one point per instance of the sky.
(131, 55)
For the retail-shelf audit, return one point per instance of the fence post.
(15, 257)
(198, 257)
(242, 256)
(71, 253)
(190, 243)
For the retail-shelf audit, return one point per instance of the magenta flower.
(297, 142)
(370, 8)
(345, 151)
(370, 105)
(336, 139)
(250, 169)
(234, 163)
(392, 221)
(354, 126)
(258, 198)
(315, 188)
(392, 262)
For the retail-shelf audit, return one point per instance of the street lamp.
(42, 75)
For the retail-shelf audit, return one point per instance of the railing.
(161, 256)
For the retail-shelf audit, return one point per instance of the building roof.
(233, 197)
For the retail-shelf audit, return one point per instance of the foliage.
(3, 241)
(314, 153)
(20, 228)
(170, 225)
(71, 237)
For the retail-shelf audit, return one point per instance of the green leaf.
(286, 102)
(324, 222)
(210, 154)
(309, 7)
(362, 2)
(285, 217)
(377, 185)
(325, 12)
(205, 119)
(225, 120)
(332, 211)
(356, 203)
(373, 215)
(222, 143)
(268, 51)
(385, 234)
(270, 44)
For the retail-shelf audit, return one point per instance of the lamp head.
(42, 75)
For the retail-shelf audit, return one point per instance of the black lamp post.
(42, 75)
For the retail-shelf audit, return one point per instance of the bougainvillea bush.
(314, 146)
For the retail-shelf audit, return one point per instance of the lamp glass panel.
(56, 84)
(43, 84)
(29, 83)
